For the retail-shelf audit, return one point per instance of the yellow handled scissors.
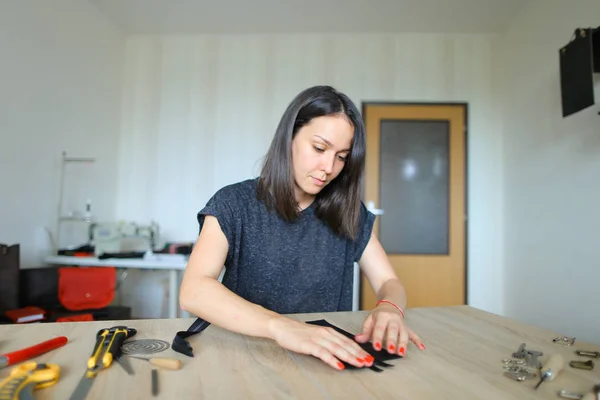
(26, 378)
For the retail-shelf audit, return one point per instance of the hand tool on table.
(32, 351)
(26, 378)
(123, 362)
(106, 349)
(565, 394)
(154, 382)
(564, 340)
(587, 353)
(551, 368)
(587, 365)
(168, 363)
(521, 353)
(532, 358)
(144, 346)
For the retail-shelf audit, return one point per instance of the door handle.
(371, 207)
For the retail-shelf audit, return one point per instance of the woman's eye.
(343, 158)
(319, 149)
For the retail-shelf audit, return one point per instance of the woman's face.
(319, 151)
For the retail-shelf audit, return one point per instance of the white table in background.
(173, 265)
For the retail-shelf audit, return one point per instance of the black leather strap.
(181, 345)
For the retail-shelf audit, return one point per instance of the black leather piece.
(181, 345)
(380, 356)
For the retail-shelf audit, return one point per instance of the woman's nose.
(327, 164)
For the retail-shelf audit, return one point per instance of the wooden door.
(416, 184)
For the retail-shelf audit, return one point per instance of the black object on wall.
(579, 60)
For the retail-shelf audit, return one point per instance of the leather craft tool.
(517, 376)
(144, 346)
(587, 365)
(587, 353)
(564, 340)
(123, 362)
(168, 363)
(31, 352)
(551, 368)
(154, 382)
(26, 378)
(106, 349)
(565, 394)
(519, 372)
(521, 352)
(532, 358)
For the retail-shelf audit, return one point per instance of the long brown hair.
(338, 204)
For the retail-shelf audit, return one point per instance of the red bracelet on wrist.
(389, 302)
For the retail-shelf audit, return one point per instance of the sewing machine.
(117, 237)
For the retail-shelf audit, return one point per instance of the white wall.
(60, 87)
(199, 113)
(551, 176)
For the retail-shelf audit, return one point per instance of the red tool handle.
(36, 350)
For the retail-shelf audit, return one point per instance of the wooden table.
(463, 360)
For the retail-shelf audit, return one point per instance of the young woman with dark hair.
(289, 240)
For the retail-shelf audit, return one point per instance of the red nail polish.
(377, 346)
(340, 365)
(360, 360)
(369, 358)
(422, 346)
(401, 351)
(392, 347)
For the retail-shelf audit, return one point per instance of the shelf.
(64, 218)
(79, 219)
(80, 159)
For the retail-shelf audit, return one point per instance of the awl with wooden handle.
(168, 363)
(551, 368)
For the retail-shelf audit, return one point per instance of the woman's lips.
(318, 182)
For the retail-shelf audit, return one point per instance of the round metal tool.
(144, 346)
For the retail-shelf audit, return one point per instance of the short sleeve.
(365, 228)
(221, 206)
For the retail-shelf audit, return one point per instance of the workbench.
(173, 266)
(463, 360)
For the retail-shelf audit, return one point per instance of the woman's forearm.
(210, 300)
(392, 290)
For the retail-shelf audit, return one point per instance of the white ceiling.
(350, 16)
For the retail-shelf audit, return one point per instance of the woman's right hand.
(322, 342)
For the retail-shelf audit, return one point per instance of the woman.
(289, 238)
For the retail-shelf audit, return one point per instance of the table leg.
(173, 293)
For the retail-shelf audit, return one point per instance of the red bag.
(86, 288)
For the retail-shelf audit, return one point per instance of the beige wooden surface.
(465, 348)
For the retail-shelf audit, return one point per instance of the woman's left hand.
(386, 328)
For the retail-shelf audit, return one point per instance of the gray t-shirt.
(297, 267)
